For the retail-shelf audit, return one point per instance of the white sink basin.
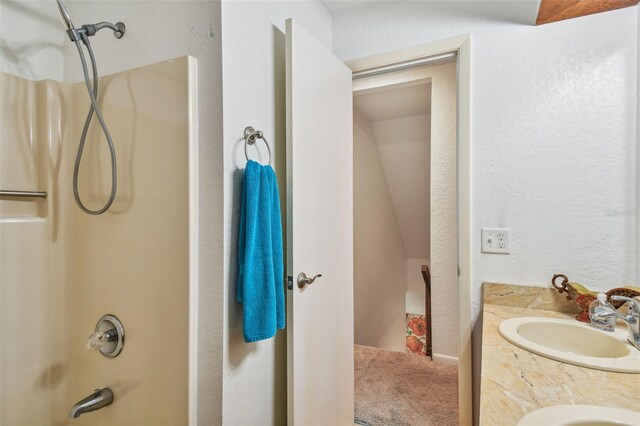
(580, 415)
(573, 342)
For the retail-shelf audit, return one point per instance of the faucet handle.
(634, 304)
(108, 337)
(98, 340)
(95, 341)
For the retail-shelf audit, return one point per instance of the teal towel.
(260, 286)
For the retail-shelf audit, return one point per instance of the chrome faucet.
(632, 319)
(98, 399)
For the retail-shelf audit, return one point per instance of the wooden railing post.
(426, 275)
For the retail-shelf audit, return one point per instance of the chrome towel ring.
(251, 135)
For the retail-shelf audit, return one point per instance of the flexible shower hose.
(93, 95)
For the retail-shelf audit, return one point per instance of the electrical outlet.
(496, 240)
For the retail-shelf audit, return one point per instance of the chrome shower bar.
(23, 194)
(438, 59)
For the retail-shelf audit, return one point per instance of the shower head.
(81, 34)
(64, 16)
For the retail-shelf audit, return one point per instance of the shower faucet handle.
(95, 341)
(108, 336)
(98, 340)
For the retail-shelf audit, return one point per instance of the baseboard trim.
(445, 359)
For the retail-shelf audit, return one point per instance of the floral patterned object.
(416, 339)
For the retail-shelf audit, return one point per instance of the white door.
(319, 233)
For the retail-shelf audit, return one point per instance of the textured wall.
(553, 132)
(254, 85)
(443, 226)
(380, 274)
(415, 286)
(404, 147)
(552, 135)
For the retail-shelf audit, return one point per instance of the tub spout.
(98, 399)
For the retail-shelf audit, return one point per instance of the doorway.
(405, 247)
(320, 221)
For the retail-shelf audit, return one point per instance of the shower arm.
(83, 33)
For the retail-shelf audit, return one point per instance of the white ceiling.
(337, 7)
(401, 123)
(390, 103)
(515, 11)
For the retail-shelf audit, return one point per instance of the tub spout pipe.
(98, 399)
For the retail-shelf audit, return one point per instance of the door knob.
(303, 280)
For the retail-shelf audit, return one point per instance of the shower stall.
(96, 219)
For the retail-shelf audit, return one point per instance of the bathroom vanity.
(516, 382)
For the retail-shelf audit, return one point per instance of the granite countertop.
(516, 382)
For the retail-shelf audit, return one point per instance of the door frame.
(462, 46)
(193, 376)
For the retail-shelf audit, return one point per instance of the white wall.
(443, 226)
(545, 101)
(254, 86)
(553, 132)
(404, 147)
(442, 205)
(380, 274)
(638, 147)
(415, 296)
(32, 41)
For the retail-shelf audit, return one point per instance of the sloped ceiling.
(385, 104)
(337, 7)
(517, 11)
(559, 10)
(400, 119)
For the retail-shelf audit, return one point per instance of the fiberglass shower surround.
(78, 35)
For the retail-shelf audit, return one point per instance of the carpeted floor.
(399, 389)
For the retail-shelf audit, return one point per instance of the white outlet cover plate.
(496, 240)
